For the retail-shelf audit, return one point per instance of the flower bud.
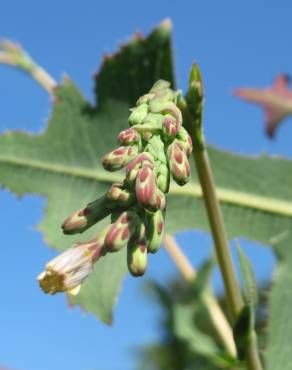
(138, 114)
(178, 162)
(186, 140)
(84, 218)
(145, 99)
(163, 177)
(137, 257)
(158, 201)
(166, 107)
(66, 272)
(135, 165)
(160, 85)
(129, 137)
(121, 231)
(151, 123)
(170, 126)
(145, 185)
(119, 158)
(195, 94)
(155, 229)
(119, 195)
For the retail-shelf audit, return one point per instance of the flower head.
(276, 101)
(66, 272)
(154, 147)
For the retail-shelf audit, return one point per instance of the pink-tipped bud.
(178, 163)
(86, 217)
(121, 231)
(137, 257)
(170, 126)
(155, 229)
(145, 185)
(158, 201)
(186, 141)
(129, 137)
(119, 195)
(66, 272)
(119, 158)
(135, 165)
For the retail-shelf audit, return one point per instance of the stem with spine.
(192, 109)
(217, 316)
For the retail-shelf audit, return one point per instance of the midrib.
(228, 196)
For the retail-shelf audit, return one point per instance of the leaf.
(248, 279)
(62, 163)
(186, 315)
(243, 330)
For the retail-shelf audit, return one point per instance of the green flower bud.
(84, 218)
(195, 94)
(166, 107)
(137, 257)
(145, 99)
(121, 231)
(165, 94)
(151, 123)
(160, 85)
(119, 158)
(186, 140)
(138, 114)
(163, 176)
(155, 229)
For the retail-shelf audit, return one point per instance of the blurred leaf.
(198, 342)
(188, 338)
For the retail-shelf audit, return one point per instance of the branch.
(13, 55)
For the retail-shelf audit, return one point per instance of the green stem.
(218, 231)
(233, 292)
(232, 288)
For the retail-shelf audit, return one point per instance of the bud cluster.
(153, 149)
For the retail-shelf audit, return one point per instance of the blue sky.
(235, 43)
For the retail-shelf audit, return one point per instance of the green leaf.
(186, 316)
(248, 278)
(62, 163)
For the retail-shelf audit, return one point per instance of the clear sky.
(236, 44)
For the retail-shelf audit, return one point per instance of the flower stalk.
(192, 109)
